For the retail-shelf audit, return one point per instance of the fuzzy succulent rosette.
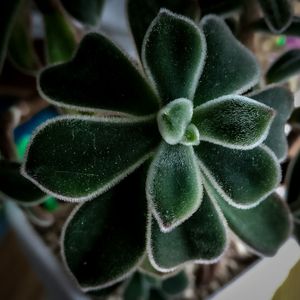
(179, 157)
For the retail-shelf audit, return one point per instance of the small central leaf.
(173, 120)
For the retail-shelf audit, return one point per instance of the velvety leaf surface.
(173, 55)
(142, 12)
(264, 228)
(242, 177)
(282, 101)
(278, 13)
(8, 12)
(77, 159)
(229, 68)
(174, 186)
(99, 77)
(175, 284)
(292, 30)
(14, 186)
(104, 239)
(201, 238)
(60, 37)
(285, 66)
(85, 11)
(21, 49)
(137, 289)
(173, 120)
(233, 121)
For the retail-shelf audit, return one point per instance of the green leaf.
(233, 121)
(21, 49)
(15, 187)
(156, 294)
(104, 239)
(292, 30)
(176, 284)
(173, 188)
(243, 177)
(285, 66)
(78, 158)
(230, 68)
(220, 7)
(294, 120)
(137, 289)
(264, 228)
(142, 12)
(60, 37)
(8, 13)
(282, 101)
(202, 238)
(100, 77)
(173, 120)
(85, 11)
(173, 55)
(278, 14)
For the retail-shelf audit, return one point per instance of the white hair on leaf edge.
(106, 186)
(203, 47)
(229, 200)
(90, 288)
(154, 209)
(243, 99)
(257, 75)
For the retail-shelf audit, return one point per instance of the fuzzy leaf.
(278, 13)
(282, 101)
(8, 13)
(243, 178)
(173, 186)
(230, 68)
(233, 121)
(201, 238)
(21, 49)
(100, 77)
(79, 158)
(292, 30)
(173, 55)
(85, 11)
(173, 120)
(142, 12)
(137, 289)
(264, 228)
(104, 239)
(60, 37)
(285, 66)
(175, 284)
(17, 188)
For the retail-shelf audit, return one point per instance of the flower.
(189, 145)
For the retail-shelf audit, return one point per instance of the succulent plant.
(173, 156)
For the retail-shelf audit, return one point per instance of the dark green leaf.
(220, 7)
(174, 188)
(285, 66)
(105, 292)
(176, 284)
(264, 228)
(293, 186)
(294, 120)
(278, 13)
(60, 37)
(85, 11)
(156, 294)
(202, 238)
(15, 187)
(100, 77)
(104, 239)
(173, 56)
(230, 68)
(80, 158)
(233, 121)
(242, 177)
(8, 13)
(282, 101)
(142, 12)
(21, 49)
